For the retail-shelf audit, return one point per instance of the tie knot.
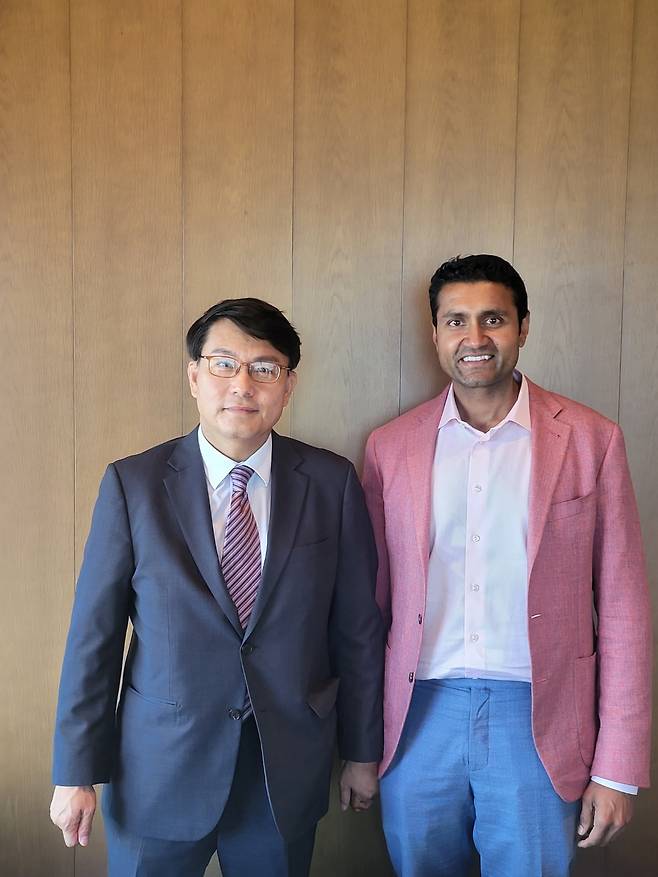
(240, 475)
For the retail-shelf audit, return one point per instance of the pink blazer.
(591, 679)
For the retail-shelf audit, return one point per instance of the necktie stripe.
(241, 556)
(232, 558)
(236, 569)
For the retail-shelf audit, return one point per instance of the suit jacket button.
(236, 715)
(247, 649)
(411, 677)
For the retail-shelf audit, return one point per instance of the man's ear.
(525, 328)
(291, 383)
(192, 377)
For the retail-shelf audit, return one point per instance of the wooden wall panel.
(36, 428)
(349, 129)
(126, 100)
(349, 112)
(237, 124)
(574, 86)
(460, 152)
(637, 850)
(325, 156)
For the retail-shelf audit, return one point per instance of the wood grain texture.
(349, 129)
(349, 112)
(36, 428)
(460, 154)
(126, 100)
(127, 194)
(237, 123)
(574, 86)
(637, 850)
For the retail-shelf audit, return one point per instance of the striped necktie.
(241, 554)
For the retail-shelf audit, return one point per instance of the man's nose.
(475, 336)
(242, 383)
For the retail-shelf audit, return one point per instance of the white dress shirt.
(477, 591)
(218, 467)
(476, 611)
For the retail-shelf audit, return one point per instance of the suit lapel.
(289, 488)
(549, 442)
(421, 443)
(185, 483)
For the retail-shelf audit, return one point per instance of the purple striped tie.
(241, 554)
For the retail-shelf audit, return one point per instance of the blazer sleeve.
(373, 489)
(85, 721)
(356, 635)
(623, 610)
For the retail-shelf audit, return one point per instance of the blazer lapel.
(185, 483)
(549, 442)
(421, 443)
(289, 488)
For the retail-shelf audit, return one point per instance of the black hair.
(257, 318)
(472, 269)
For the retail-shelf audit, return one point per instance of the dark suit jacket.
(311, 654)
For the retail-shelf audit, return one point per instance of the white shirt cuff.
(619, 787)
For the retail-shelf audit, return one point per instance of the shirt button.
(478, 488)
(475, 538)
(475, 587)
(236, 715)
(474, 637)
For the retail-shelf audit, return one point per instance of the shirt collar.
(217, 465)
(519, 413)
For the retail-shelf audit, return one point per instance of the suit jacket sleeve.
(372, 486)
(85, 723)
(624, 626)
(356, 637)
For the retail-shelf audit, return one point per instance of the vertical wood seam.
(403, 205)
(74, 532)
(293, 144)
(516, 126)
(626, 183)
(182, 219)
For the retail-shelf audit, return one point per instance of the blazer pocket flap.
(570, 507)
(323, 698)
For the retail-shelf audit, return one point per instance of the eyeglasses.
(263, 371)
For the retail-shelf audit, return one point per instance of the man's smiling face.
(237, 414)
(477, 334)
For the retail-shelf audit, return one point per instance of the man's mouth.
(483, 357)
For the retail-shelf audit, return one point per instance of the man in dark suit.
(246, 564)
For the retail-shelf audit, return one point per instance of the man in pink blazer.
(512, 581)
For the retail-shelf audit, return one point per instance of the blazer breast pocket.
(571, 507)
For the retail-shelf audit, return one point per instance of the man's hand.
(603, 814)
(72, 809)
(358, 785)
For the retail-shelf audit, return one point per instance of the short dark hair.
(255, 317)
(471, 269)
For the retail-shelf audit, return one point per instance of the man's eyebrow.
(224, 351)
(495, 312)
(491, 312)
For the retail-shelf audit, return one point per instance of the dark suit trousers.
(246, 839)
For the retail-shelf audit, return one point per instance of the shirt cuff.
(619, 787)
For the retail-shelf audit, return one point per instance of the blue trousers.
(466, 779)
(246, 838)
